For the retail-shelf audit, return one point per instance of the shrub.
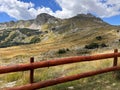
(119, 40)
(53, 28)
(92, 46)
(61, 51)
(35, 40)
(67, 49)
(117, 30)
(103, 45)
(23, 37)
(99, 38)
(46, 31)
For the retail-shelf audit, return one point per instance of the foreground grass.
(107, 81)
(99, 82)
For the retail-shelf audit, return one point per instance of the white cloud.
(16, 9)
(22, 10)
(89, 6)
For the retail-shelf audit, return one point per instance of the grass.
(98, 82)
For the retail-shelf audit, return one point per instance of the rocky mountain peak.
(43, 18)
(88, 15)
(44, 15)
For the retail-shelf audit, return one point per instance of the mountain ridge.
(42, 19)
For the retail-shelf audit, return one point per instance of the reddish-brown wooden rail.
(47, 83)
(35, 65)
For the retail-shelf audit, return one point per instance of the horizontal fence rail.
(42, 64)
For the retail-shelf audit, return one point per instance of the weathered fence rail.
(34, 65)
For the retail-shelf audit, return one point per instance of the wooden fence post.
(31, 71)
(115, 58)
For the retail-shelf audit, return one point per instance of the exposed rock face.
(44, 18)
(89, 17)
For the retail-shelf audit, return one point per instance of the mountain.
(81, 31)
(35, 23)
(44, 18)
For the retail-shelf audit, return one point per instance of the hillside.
(50, 33)
(47, 37)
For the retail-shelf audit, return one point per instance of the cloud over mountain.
(24, 10)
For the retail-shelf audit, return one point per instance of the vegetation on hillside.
(18, 36)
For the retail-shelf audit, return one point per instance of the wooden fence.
(42, 64)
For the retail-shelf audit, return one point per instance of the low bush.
(67, 49)
(103, 45)
(95, 45)
(35, 40)
(119, 40)
(53, 28)
(61, 51)
(99, 38)
(92, 46)
(118, 31)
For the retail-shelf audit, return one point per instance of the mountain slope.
(50, 33)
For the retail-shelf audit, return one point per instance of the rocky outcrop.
(44, 18)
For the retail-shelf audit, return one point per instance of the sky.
(13, 10)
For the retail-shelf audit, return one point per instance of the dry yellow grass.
(78, 39)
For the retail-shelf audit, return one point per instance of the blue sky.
(108, 10)
(45, 3)
(115, 20)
